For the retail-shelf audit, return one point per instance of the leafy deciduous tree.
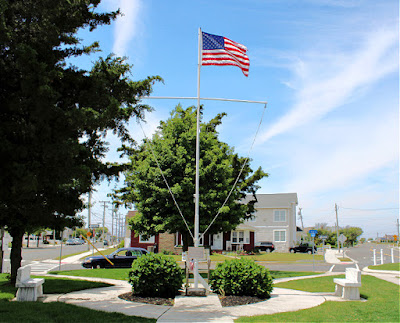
(174, 145)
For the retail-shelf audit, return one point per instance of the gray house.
(274, 220)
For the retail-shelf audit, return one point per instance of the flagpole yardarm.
(195, 98)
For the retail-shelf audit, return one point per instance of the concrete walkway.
(189, 309)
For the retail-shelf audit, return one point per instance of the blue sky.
(329, 71)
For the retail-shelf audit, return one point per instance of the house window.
(151, 239)
(280, 236)
(280, 215)
(238, 237)
(234, 237)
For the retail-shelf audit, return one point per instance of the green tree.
(80, 232)
(352, 234)
(54, 116)
(174, 145)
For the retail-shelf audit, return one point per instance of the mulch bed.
(148, 300)
(238, 300)
(225, 300)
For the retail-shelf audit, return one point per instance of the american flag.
(219, 50)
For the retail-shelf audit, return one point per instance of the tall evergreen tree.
(174, 145)
(54, 116)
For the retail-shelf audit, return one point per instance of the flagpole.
(197, 180)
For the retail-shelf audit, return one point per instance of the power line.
(381, 209)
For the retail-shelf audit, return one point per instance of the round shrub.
(155, 275)
(241, 277)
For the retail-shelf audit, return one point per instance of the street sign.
(395, 237)
(342, 238)
(323, 237)
(313, 232)
(88, 234)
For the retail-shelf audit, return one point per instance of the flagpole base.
(191, 291)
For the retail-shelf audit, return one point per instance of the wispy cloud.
(327, 158)
(126, 26)
(325, 82)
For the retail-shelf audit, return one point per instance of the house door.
(217, 242)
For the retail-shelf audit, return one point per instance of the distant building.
(274, 220)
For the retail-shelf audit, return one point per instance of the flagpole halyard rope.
(240, 173)
(165, 180)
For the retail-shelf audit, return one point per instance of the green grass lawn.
(394, 266)
(283, 274)
(52, 285)
(111, 273)
(382, 303)
(55, 312)
(35, 312)
(123, 273)
(272, 256)
(285, 257)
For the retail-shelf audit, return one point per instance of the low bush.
(241, 277)
(155, 275)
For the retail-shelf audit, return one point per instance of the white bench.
(348, 288)
(29, 289)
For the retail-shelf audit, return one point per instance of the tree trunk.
(1, 249)
(27, 243)
(187, 241)
(16, 253)
(38, 238)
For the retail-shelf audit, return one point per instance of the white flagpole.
(197, 184)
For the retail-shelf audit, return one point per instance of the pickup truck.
(303, 247)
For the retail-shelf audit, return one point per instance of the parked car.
(70, 242)
(266, 246)
(121, 258)
(303, 247)
(79, 241)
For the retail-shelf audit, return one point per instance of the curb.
(389, 272)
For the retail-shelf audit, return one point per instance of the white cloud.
(327, 81)
(126, 26)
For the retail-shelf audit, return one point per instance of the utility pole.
(301, 218)
(89, 214)
(398, 235)
(89, 206)
(104, 216)
(112, 225)
(117, 227)
(337, 227)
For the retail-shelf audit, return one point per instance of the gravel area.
(238, 300)
(148, 300)
(225, 300)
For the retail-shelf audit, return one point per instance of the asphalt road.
(363, 256)
(35, 254)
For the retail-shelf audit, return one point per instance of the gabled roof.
(279, 200)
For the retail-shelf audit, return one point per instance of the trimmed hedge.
(155, 275)
(241, 277)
